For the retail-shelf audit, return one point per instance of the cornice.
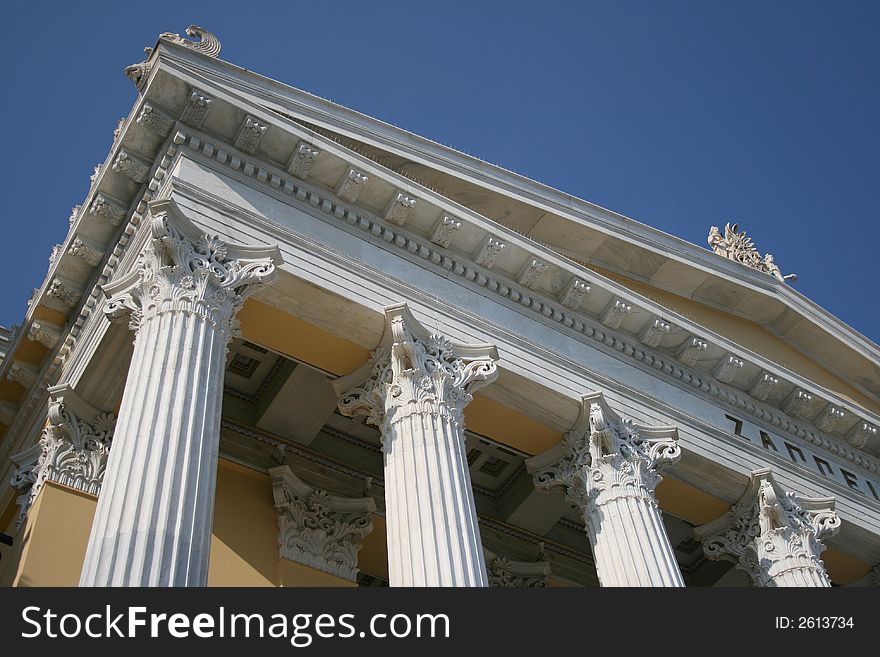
(282, 99)
(310, 198)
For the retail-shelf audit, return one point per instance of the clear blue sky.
(677, 114)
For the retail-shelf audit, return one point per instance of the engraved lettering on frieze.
(654, 332)
(796, 402)
(132, 166)
(613, 315)
(691, 350)
(805, 457)
(728, 367)
(304, 155)
(443, 230)
(155, 120)
(573, 294)
(490, 248)
(196, 109)
(763, 385)
(351, 184)
(531, 273)
(399, 208)
(250, 132)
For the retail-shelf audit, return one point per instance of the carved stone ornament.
(207, 45)
(351, 184)
(443, 230)
(737, 246)
(304, 155)
(509, 573)
(44, 332)
(605, 453)
(110, 208)
(249, 135)
(195, 110)
(318, 529)
(155, 120)
(654, 332)
(414, 371)
(773, 535)
(132, 166)
(574, 293)
(490, 248)
(72, 451)
(531, 273)
(399, 207)
(613, 315)
(183, 270)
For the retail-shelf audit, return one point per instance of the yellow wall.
(50, 548)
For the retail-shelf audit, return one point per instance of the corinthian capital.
(772, 534)
(318, 529)
(185, 270)
(415, 371)
(72, 450)
(604, 453)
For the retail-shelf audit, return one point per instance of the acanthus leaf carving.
(510, 573)
(574, 293)
(443, 230)
(195, 110)
(304, 155)
(773, 535)
(132, 166)
(415, 372)
(72, 450)
(654, 332)
(605, 456)
(351, 184)
(531, 273)
(763, 386)
(155, 120)
(489, 251)
(399, 207)
(44, 332)
(690, 351)
(613, 315)
(182, 270)
(728, 367)
(111, 208)
(318, 529)
(249, 135)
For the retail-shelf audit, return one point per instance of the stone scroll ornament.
(773, 535)
(72, 450)
(207, 44)
(319, 529)
(737, 246)
(184, 270)
(418, 373)
(608, 467)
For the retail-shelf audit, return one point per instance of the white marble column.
(773, 535)
(415, 389)
(608, 469)
(153, 522)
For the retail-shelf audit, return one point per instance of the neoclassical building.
(287, 344)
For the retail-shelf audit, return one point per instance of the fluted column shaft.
(416, 388)
(153, 521)
(625, 527)
(433, 535)
(608, 468)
